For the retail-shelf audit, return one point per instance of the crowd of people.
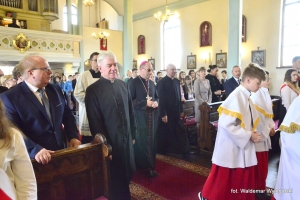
(141, 116)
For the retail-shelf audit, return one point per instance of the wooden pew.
(75, 173)
(191, 125)
(209, 117)
(209, 124)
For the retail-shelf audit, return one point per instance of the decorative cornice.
(172, 6)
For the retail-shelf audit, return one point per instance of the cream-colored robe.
(84, 80)
(233, 148)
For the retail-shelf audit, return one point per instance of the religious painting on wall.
(259, 57)
(141, 44)
(152, 61)
(103, 44)
(134, 64)
(21, 43)
(191, 62)
(244, 28)
(205, 34)
(221, 60)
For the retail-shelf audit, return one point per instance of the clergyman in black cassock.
(110, 112)
(170, 135)
(145, 101)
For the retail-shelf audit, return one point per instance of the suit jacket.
(230, 85)
(3, 89)
(223, 80)
(29, 115)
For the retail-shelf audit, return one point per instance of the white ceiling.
(138, 5)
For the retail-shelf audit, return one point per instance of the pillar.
(234, 34)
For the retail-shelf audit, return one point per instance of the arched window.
(171, 42)
(290, 43)
(65, 17)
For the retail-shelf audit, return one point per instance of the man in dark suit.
(14, 24)
(224, 76)
(74, 81)
(234, 81)
(39, 109)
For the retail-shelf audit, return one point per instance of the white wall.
(263, 30)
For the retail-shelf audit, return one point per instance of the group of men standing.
(127, 114)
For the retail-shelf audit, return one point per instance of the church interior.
(187, 33)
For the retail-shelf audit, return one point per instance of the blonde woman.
(129, 75)
(14, 160)
(202, 92)
(8, 81)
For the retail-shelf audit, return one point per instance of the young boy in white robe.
(234, 158)
(288, 179)
(263, 105)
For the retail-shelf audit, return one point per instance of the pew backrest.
(74, 173)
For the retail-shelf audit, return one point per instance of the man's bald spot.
(170, 66)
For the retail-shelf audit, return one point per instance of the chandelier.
(158, 16)
(88, 2)
(102, 35)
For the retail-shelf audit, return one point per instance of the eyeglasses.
(148, 70)
(46, 69)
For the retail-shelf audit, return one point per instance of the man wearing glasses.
(39, 109)
(145, 101)
(84, 80)
(110, 112)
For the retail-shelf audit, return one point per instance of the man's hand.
(272, 132)
(43, 156)
(165, 119)
(218, 92)
(182, 115)
(133, 141)
(155, 104)
(149, 102)
(256, 137)
(74, 142)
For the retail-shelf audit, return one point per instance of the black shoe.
(264, 195)
(152, 173)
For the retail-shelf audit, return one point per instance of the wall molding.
(172, 6)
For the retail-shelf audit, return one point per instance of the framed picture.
(141, 44)
(205, 34)
(221, 60)
(191, 62)
(11, 14)
(259, 57)
(152, 61)
(103, 44)
(134, 65)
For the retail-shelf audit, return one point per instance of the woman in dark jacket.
(215, 85)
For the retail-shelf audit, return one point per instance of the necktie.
(239, 82)
(45, 102)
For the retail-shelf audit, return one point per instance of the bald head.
(171, 71)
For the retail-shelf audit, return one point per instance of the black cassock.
(146, 120)
(110, 112)
(170, 136)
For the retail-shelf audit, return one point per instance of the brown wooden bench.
(75, 173)
(209, 124)
(209, 117)
(191, 125)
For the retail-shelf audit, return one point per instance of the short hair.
(70, 76)
(16, 72)
(224, 71)
(212, 67)
(296, 58)
(254, 71)
(93, 54)
(76, 73)
(287, 76)
(158, 73)
(201, 69)
(134, 69)
(191, 71)
(103, 55)
(29, 62)
(235, 66)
